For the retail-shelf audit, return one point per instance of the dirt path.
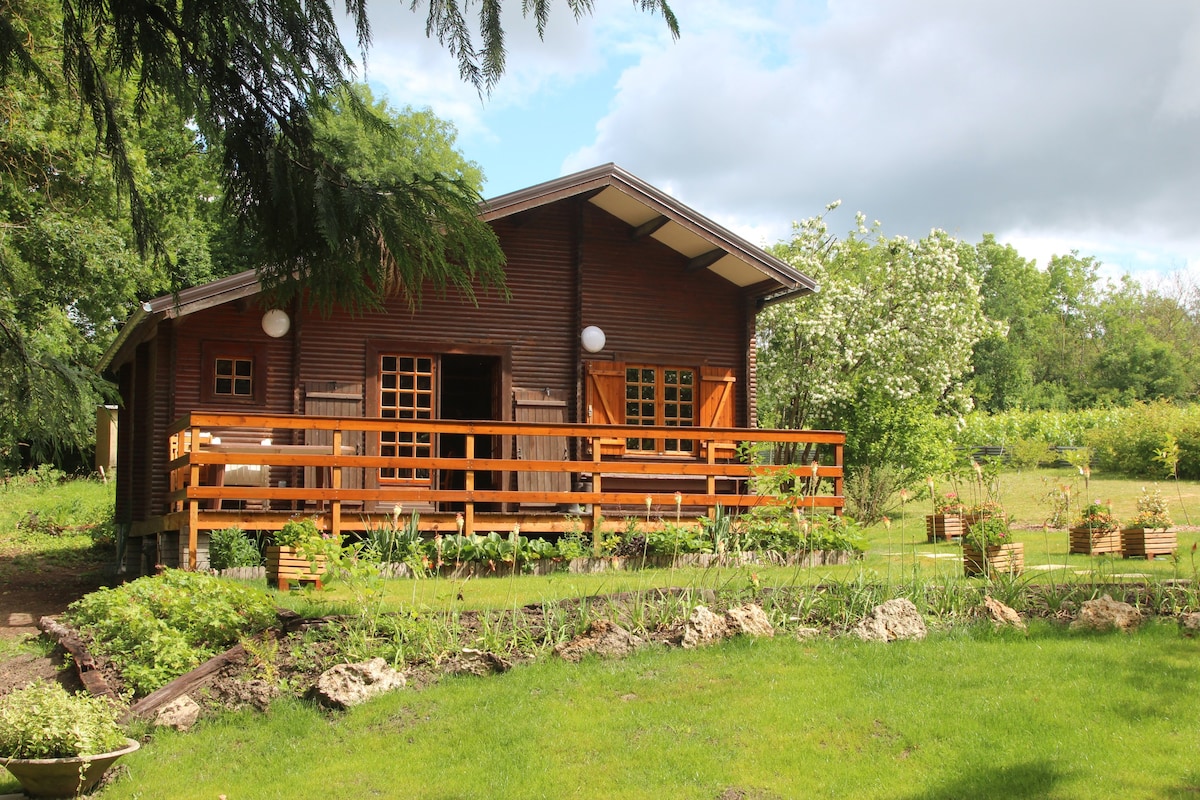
(28, 591)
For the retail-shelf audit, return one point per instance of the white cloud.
(1073, 118)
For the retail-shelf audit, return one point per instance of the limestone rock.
(895, 619)
(475, 662)
(1107, 614)
(702, 627)
(804, 634)
(1190, 624)
(1000, 614)
(748, 620)
(604, 638)
(348, 685)
(180, 714)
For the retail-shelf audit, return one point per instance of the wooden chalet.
(617, 380)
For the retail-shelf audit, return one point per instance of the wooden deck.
(467, 493)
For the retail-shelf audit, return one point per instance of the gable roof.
(651, 212)
(647, 210)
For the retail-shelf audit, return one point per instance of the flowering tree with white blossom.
(882, 350)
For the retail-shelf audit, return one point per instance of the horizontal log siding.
(535, 323)
(652, 309)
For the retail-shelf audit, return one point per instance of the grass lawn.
(966, 713)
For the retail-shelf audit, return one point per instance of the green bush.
(159, 627)
(44, 721)
(232, 547)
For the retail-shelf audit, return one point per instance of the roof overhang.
(651, 212)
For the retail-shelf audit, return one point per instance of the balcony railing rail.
(724, 467)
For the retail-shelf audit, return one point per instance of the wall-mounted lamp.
(592, 338)
(275, 323)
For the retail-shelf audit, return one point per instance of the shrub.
(231, 547)
(159, 627)
(44, 721)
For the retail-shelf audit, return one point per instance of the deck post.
(596, 515)
(335, 480)
(840, 480)
(469, 485)
(710, 484)
(193, 534)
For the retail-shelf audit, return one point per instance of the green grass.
(44, 520)
(966, 713)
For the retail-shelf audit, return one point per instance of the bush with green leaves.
(43, 720)
(158, 627)
(232, 547)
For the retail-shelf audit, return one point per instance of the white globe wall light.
(593, 339)
(275, 323)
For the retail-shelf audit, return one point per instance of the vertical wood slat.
(469, 480)
(535, 408)
(334, 399)
(335, 479)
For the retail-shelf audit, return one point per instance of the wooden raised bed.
(284, 565)
(999, 558)
(1094, 542)
(943, 527)
(1148, 542)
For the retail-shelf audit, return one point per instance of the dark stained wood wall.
(639, 292)
(651, 309)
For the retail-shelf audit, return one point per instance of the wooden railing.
(724, 470)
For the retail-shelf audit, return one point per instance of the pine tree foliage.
(254, 77)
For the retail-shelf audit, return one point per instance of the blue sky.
(1073, 124)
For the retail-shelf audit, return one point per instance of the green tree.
(255, 77)
(881, 351)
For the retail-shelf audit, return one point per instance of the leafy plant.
(988, 532)
(1151, 511)
(1096, 516)
(231, 547)
(43, 720)
(298, 534)
(158, 627)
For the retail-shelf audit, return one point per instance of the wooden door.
(535, 408)
(333, 399)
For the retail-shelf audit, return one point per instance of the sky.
(1056, 126)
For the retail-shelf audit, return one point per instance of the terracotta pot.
(64, 777)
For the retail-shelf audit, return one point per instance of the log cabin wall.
(652, 309)
(535, 324)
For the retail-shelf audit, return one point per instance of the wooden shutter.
(606, 401)
(717, 405)
(333, 399)
(534, 407)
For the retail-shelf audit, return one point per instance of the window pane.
(241, 387)
(242, 368)
(223, 386)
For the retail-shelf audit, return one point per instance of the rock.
(895, 619)
(475, 662)
(804, 634)
(180, 714)
(702, 627)
(604, 638)
(748, 620)
(1107, 614)
(1190, 624)
(1000, 614)
(348, 685)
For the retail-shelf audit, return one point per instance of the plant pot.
(64, 777)
(1148, 542)
(284, 564)
(943, 527)
(998, 558)
(1094, 541)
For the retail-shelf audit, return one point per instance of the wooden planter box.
(1148, 542)
(999, 558)
(943, 527)
(284, 564)
(1094, 542)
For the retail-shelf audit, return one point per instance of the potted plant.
(1149, 534)
(297, 555)
(946, 521)
(988, 548)
(58, 744)
(1095, 531)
